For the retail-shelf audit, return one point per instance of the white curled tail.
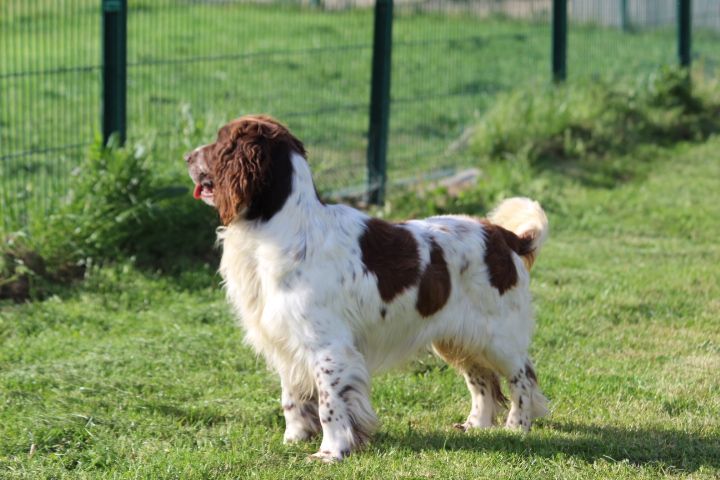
(526, 219)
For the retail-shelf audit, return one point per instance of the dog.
(329, 295)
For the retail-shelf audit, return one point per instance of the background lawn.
(132, 374)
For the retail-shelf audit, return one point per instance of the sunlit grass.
(136, 375)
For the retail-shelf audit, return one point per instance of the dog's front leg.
(301, 412)
(343, 386)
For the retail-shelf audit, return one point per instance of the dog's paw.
(463, 427)
(327, 456)
(474, 422)
(517, 425)
(294, 436)
(467, 426)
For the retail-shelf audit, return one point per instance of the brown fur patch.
(500, 243)
(434, 288)
(391, 253)
(251, 167)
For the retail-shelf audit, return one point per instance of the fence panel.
(706, 36)
(194, 64)
(601, 48)
(49, 100)
(450, 60)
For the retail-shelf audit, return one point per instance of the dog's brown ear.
(252, 167)
(240, 168)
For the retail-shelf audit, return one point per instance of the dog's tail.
(526, 219)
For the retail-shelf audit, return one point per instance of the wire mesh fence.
(49, 99)
(706, 35)
(450, 59)
(194, 64)
(206, 62)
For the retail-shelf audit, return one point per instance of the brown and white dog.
(328, 294)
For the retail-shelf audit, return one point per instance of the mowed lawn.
(134, 375)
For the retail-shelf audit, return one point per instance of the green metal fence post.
(624, 18)
(114, 69)
(379, 102)
(559, 40)
(684, 32)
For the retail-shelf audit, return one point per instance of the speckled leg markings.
(522, 392)
(346, 416)
(301, 416)
(487, 398)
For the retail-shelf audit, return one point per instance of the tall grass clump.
(594, 119)
(117, 209)
(597, 133)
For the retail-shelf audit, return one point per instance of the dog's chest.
(254, 276)
(239, 270)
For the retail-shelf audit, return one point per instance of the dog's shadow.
(637, 446)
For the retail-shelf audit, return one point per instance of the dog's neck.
(292, 229)
(304, 193)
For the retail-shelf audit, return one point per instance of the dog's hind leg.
(482, 382)
(528, 402)
(487, 397)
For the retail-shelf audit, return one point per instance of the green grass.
(194, 65)
(136, 375)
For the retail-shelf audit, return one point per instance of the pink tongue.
(197, 191)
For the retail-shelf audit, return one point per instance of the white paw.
(327, 456)
(474, 421)
(296, 435)
(468, 425)
(518, 425)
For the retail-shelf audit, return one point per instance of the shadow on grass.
(202, 416)
(687, 451)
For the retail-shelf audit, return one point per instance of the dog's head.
(247, 171)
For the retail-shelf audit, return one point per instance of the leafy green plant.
(596, 118)
(118, 206)
(109, 197)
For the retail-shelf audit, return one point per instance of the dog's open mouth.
(203, 190)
